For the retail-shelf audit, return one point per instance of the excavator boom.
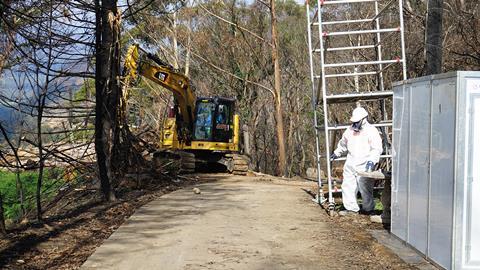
(164, 75)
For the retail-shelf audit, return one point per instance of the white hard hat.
(358, 114)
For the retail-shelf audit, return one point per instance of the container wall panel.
(442, 171)
(401, 112)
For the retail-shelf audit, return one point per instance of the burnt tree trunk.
(8, 47)
(42, 97)
(41, 162)
(282, 156)
(433, 42)
(3, 230)
(107, 86)
(19, 187)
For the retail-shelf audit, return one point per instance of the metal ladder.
(355, 35)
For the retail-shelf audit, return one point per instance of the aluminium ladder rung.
(397, 60)
(354, 74)
(334, 2)
(358, 32)
(360, 47)
(343, 22)
(339, 181)
(345, 126)
(340, 127)
(339, 190)
(344, 158)
(346, 98)
(336, 180)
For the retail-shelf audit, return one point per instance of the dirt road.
(239, 223)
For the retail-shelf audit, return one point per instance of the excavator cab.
(214, 119)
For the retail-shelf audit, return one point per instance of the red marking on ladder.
(321, 2)
(325, 34)
(398, 29)
(398, 59)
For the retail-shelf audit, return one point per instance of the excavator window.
(203, 122)
(222, 132)
(221, 119)
(214, 120)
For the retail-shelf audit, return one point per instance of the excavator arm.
(139, 63)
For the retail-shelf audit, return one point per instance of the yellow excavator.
(198, 130)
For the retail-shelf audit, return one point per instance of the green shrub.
(52, 181)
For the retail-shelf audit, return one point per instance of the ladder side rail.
(384, 129)
(379, 49)
(331, 203)
(320, 197)
(402, 38)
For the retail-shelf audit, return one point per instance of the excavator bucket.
(131, 62)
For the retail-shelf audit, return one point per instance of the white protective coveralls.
(361, 147)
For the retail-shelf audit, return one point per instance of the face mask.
(357, 126)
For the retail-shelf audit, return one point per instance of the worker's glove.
(369, 166)
(333, 157)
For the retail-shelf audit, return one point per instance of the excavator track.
(177, 161)
(183, 162)
(237, 164)
(187, 162)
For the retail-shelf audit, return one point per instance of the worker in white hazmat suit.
(363, 145)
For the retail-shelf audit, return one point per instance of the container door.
(471, 239)
(442, 172)
(419, 164)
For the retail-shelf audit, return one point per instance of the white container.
(436, 167)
